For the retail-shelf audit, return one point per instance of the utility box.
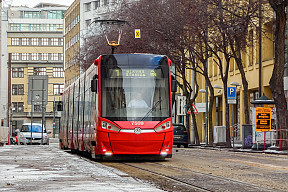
(4, 131)
(219, 135)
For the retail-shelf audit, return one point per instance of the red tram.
(121, 106)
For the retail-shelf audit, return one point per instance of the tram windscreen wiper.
(153, 108)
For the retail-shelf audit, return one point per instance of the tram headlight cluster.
(163, 126)
(109, 126)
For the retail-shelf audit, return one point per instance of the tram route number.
(137, 122)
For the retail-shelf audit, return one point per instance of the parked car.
(180, 135)
(24, 135)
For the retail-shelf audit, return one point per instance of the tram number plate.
(137, 122)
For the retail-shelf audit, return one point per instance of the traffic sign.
(137, 33)
(231, 95)
(263, 119)
(181, 105)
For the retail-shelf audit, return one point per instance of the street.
(47, 168)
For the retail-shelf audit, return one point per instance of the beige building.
(34, 47)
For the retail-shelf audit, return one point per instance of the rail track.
(181, 179)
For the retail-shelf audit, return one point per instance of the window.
(17, 89)
(15, 27)
(18, 72)
(31, 14)
(45, 41)
(54, 27)
(15, 41)
(17, 106)
(54, 57)
(35, 41)
(54, 41)
(25, 41)
(25, 27)
(44, 57)
(58, 72)
(39, 70)
(35, 56)
(35, 27)
(61, 41)
(88, 22)
(44, 27)
(96, 4)
(25, 56)
(88, 6)
(37, 108)
(58, 89)
(15, 56)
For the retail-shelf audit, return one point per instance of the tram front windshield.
(135, 91)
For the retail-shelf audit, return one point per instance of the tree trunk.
(276, 81)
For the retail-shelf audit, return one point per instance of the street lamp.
(236, 84)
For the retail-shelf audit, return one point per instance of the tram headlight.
(109, 126)
(163, 126)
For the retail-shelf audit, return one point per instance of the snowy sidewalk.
(46, 168)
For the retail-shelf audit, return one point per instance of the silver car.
(24, 136)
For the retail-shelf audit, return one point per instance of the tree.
(276, 81)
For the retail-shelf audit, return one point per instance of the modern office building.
(32, 45)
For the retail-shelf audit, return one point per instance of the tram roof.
(134, 59)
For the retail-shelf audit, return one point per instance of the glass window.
(96, 4)
(45, 41)
(17, 106)
(58, 89)
(25, 27)
(25, 56)
(34, 56)
(61, 41)
(15, 56)
(31, 14)
(125, 97)
(17, 72)
(15, 27)
(54, 27)
(54, 57)
(39, 70)
(25, 41)
(88, 6)
(44, 56)
(37, 108)
(35, 27)
(14, 41)
(35, 41)
(17, 89)
(44, 27)
(58, 72)
(54, 41)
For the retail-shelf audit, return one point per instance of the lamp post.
(219, 91)
(206, 114)
(236, 84)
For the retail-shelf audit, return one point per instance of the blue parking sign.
(231, 95)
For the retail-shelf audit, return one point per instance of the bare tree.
(276, 81)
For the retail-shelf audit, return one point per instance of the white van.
(24, 136)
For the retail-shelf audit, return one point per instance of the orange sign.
(262, 119)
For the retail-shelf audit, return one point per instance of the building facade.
(78, 19)
(34, 47)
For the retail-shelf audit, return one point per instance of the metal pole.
(31, 109)
(232, 121)
(54, 123)
(43, 112)
(9, 110)
(260, 51)
(206, 113)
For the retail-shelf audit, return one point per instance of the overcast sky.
(32, 3)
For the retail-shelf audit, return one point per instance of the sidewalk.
(238, 148)
(47, 168)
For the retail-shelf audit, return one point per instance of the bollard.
(8, 137)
